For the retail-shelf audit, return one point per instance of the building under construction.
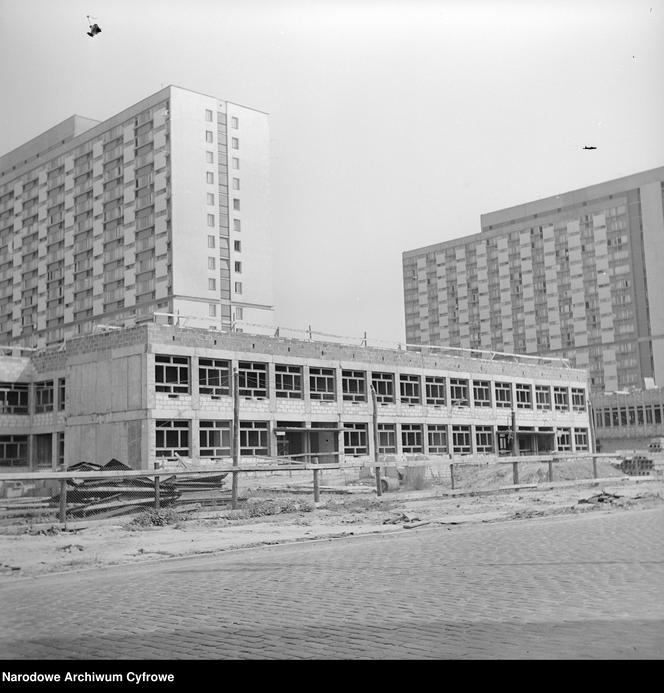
(153, 392)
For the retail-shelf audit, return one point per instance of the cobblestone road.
(565, 587)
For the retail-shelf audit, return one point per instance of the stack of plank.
(117, 496)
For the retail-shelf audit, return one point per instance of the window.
(171, 374)
(61, 394)
(461, 439)
(211, 242)
(208, 136)
(214, 377)
(208, 115)
(484, 439)
(287, 381)
(210, 221)
(44, 396)
(437, 438)
(209, 198)
(209, 157)
(235, 143)
(459, 392)
(524, 397)
(238, 287)
(13, 398)
(212, 263)
(236, 162)
(563, 440)
(252, 379)
(409, 388)
(581, 439)
(237, 246)
(13, 451)
(503, 392)
(321, 384)
(353, 385)
(481, 393)
(387, 439)
(543, 396)
(254, 438)
(236, 183)
(411, 438)
(435, 390)
(238, 267)
(560, 399)
(236, 204)
(209, 177)
(239, 313)
(355, 439)
(237, 226)
(172, 438)
(383, 384)
(235, 123)
(61, 448)
(579, 400)
(212, 310)
(212, 284)
(215, 438)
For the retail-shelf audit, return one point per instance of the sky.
(393, 125)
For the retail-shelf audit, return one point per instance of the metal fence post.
(316, 482)
(156, 492)
(515, 472)
(594, 467)
(63, 498)
(550, 471)
(452, 474)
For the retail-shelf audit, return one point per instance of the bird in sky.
(94, 28)
(589, 147)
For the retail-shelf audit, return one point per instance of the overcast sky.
(394, 125)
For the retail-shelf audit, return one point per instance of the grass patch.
(257, 507)
(155, 518)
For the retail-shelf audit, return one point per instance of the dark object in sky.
(94, 28)
(589, 147)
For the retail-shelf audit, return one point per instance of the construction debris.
(108, 497)
(401, 517)
(602, 497)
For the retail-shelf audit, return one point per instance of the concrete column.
(54, 451)
(473, 440)
(496, 449)
(449, 439)
(572, 442)
(397, 438)
(195, 440)
(425, 439)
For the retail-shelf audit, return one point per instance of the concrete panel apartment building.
(577, 276)
(161, 208)
(145, 394)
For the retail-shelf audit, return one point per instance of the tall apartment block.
(579, 276)
(161, 208)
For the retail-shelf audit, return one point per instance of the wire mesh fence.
(90, 491)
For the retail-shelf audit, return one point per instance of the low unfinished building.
(154, 392)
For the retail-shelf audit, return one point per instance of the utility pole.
(374, 400)
(236, 433)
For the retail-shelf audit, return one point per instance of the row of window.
(14, 451)
(14, 397)
(172, 375)
(615, 417)
(173, 437)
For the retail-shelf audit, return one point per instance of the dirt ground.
(269, 516)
